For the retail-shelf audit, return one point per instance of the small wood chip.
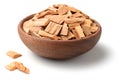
(22, 68)
(27, 25)
(49, 27)
(75, 34)
(58, 18)
(68, 37)
(74, 20)
(64, 30)
(77, 14)
(94, 28)
(87, 23)
(58, 30)
(48, 35)
(72, 9)
(86, 30)
(49, 16)
(79, 32)
(62, 9)
(69, 14)
(56, 5)
(40, 14)
(73, 25)
(52, 10)
(53, 28)
(11, 66)
(35, 34)
(41, 22)
(35, 29)
(13, 54)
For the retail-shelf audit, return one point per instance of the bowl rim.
(20, 27)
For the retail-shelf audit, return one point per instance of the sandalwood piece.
(68, 37)
(49, 16)
(19, 66)
(57, 5)
(36, 16)
(40, 14)
(35, 34)
(41, 22)
(45, 34)
(79, 32)
(35, 29)
(86, 30)
(58, 18)
(49, 27)
(73, 25)
(94, 28)
(53, 28)
(64, 30)
(75, 34)
(22, 68)
(74, 20)
(11, 66)
(13, 54)
(72, 9)
(84, 15)
(27, 25)
(52, 10)
(87, 23)
(77, 14)
(69, 14)
(62, 9)
(58, 30)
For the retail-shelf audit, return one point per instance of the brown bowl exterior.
(57, 49)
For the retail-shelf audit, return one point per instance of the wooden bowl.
(58, 49)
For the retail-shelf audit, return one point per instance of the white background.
(100, 63)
